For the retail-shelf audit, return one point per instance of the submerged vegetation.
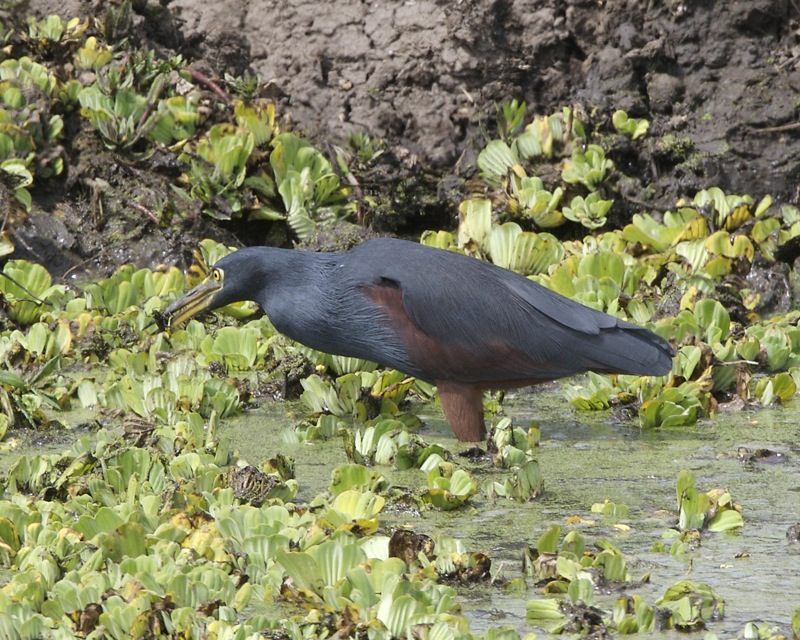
(151, 526)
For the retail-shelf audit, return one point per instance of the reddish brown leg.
(463, 407)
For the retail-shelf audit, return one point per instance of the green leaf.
(546, 613)
(302, 568)
(725, 521)
(711, 316)
(548, 541)
(630, 127)
(475, 223)
(12, 379)
(502, 243)
(496, 159)
(686, 481)
(335, 559)
(398, 614)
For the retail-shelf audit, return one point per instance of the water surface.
(590, 457)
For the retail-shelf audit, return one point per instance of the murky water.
(587, 458)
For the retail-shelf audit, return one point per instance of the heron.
(455, 321)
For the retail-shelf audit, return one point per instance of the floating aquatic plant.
(30, 127)
(634, 128)
(28, 290)
(691, 604)
(530, 199)
(357, 394)
(589, 211)
(236, 348)
(388, 441)
(714, 510)
(309, 188)
(356, 476)
(448, 488)
(556, 566)
(587, 167)
(130, 287)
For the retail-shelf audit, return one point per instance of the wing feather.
(539, 334)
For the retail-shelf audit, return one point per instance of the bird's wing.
(506, 327)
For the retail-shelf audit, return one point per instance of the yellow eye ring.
(216, 274)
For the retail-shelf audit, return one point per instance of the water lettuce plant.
(448, 488)
(634, 128)
(505, 164)
(589, 211)
(231, 173)
(587, 167)
(28, 290)
(685, 606)
(713, 510)
(691, 604)
(30, 125)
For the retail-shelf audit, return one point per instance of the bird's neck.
(295, 290)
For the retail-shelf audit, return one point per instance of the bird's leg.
(463, 407)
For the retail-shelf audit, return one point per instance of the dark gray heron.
(462, 324)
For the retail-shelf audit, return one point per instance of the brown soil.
(425, 75)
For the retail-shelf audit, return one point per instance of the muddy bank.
(717, 81)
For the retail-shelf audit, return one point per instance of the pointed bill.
(192, 303)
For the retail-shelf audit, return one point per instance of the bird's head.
(233, 279)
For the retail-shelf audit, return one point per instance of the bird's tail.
(628, 349)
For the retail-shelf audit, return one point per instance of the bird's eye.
(217, 275)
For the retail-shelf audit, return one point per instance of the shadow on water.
(587, 458)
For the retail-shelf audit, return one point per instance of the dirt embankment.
(425, 76)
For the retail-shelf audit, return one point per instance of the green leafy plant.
(523, 251)
(29, 400)
(631, 614)
(691, 605)
(632, 127)
(351, 393)
(546, 614)
(590, 211)
(236, 348)
(387, 441)
(510, 118)
(559, 565)
(29, 129)
(672, 407)
(448, 488)
(714, 510)
(93, 55)
(496, 159)
(28, 290)
(356, 476)
(730, 211)
(531, 200)
(309, 188)
(130, 287)
(547, 136)
(587, 167)
(543, 137)
(219, 168)
(353, 509)
(121, 116)
(20, 178)
(227, 174)
(54, 28)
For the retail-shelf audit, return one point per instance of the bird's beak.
(193, 302)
